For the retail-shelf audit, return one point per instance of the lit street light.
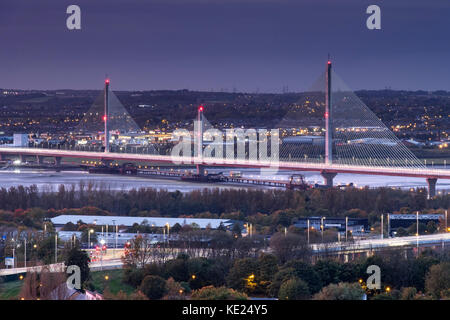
(89, 237)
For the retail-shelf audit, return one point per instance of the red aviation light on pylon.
(326, 115)
(104, 118)
(329, 61)
(107, 81)
(200, 108)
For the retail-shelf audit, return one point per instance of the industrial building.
(159, 222)
(406, 220)
(355, 225)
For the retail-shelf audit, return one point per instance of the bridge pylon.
(106, 114)
(199, 134)
(328, 117)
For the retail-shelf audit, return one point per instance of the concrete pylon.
(328, 117)
(106, 115)
(199, 140)
(58, 161)
(40, 159)
(431, 187)
(328, 177)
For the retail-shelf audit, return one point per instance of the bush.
(341, 291)
(221, 293)
(133, 276)
(154, 287)
(437, 280)
(294, 289)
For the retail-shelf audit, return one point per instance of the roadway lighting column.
(346, 228)
(446, 227)
(389, 224)
(417, 231)
(322, 226)
(115, 238)
(382, 233)
(117, 229)
(307, 224)
(25, 254)
(56, 248)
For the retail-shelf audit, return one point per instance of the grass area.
(114, 281)
(10, 290)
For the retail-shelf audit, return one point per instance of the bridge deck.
(284, 165)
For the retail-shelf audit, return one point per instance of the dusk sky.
(221, 44)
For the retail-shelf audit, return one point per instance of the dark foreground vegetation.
(222, 264)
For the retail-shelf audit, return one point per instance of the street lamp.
(346, 228)
(25, 254)
(322, 226)
(417, 231)
(307, 225)
(446, 227)
(89, 237)
(56, 248)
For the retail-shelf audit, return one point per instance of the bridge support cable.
(329, 124)
(107, 119)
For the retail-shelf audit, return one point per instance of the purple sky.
(214, 44)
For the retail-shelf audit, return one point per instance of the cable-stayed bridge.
(344, 136)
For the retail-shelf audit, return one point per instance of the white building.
(20, 140)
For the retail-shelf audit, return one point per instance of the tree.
(438, 280)
(176, 228)
(79, 258)
(408, 293)
(45, 285)
(307, 273)
(174, 290)
(138, 253)
(46, 249)
(340, 291)
(236, 230)
(154, 287)
(401, 232)
(294, 289)
(221, 293)
(288, 246)
(177, 269)
(268, 267)
(242, 274)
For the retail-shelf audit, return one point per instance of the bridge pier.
(40, 159)
(58, 161)
(431, 187)
(328, 177)
(200, 170)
